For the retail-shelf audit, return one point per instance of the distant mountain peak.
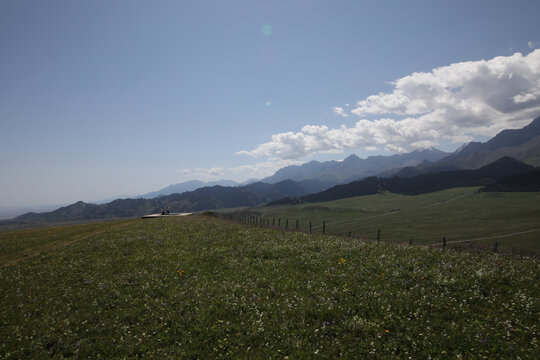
(353, 167)
(352, 157)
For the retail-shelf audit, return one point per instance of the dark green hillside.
(529, 181)
(425, 183)
(202, 288)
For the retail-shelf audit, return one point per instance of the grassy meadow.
(455, 214)
(201, 287)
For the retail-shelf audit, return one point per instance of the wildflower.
(386, 331)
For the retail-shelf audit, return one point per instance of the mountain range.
(476, 164)
(210, 197)
(353, 167)
(522, 144)
(424, 183)
(186, 186)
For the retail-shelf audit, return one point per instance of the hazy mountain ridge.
(185, 186)
(353, 168)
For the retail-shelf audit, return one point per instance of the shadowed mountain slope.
(425, 183)
(204, 198)
(522, 144)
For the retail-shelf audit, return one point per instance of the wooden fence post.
(350, 234)
(379, 235)
(273, 222)
(495, 247)
(286, 224)
(443, 242)
(410, 241)
(310, 226)
(296, 224)
(323, 226)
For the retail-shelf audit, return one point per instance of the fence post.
(443, 243)
(495, 247)
(279, 222)
(296, 224)
(310, 226)
(273, 222)
(323, 226)
(350, 234)
(379, 235)
(410, 241)
(286, 224)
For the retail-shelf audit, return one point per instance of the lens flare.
(266, 30)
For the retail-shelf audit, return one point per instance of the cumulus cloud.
(532, 45)
(339, 111)
(455, 102)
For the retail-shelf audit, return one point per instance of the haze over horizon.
(102, 99)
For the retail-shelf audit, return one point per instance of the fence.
(258, 220)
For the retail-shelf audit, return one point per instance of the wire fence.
(252, 219)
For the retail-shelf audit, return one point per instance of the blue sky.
(108, 98)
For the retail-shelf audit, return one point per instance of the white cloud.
(339, 111)
(258, 170)
(455, 103)
(532, 45)
(207, 174)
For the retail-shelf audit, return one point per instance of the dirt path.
(446, 201)
(442, 202)
(53, 245)
(485, 238)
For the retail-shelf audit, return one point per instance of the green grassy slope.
(456, 214)
(203, 288)
(17, 245)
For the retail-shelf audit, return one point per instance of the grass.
(455, 214)
(20, 244)
(200, 287)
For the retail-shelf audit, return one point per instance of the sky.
(103, 99)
